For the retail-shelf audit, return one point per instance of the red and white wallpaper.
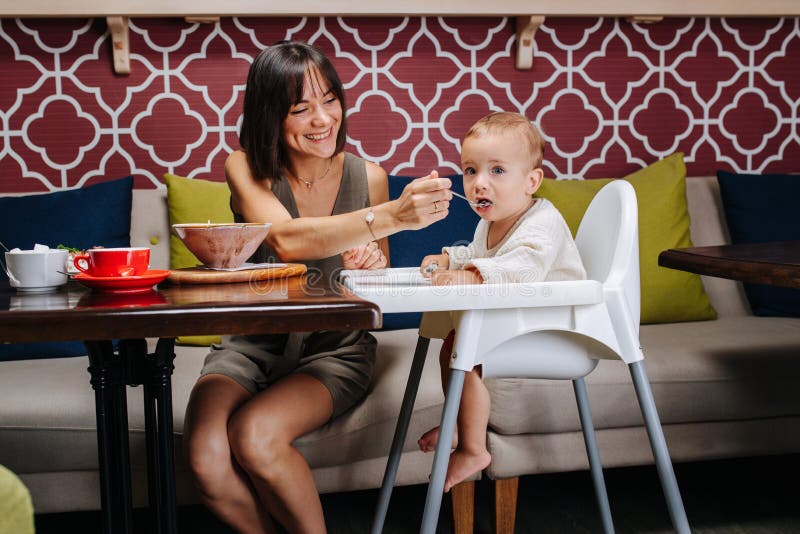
(611, 97)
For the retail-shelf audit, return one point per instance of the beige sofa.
(723, 388)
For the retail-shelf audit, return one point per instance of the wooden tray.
(193, 275)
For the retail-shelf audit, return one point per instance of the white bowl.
(36, 271)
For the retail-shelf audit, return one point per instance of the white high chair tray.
(404, 289)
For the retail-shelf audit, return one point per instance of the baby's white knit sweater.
(538, 248)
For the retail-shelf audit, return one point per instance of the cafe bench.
(723, 388)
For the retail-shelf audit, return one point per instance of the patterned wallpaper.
(610, 97)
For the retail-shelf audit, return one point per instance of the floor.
(753, 495)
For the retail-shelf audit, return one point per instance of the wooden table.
(76, 313)
(776, 263)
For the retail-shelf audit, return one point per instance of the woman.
(328, 209)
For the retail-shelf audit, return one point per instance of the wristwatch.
(369, 218)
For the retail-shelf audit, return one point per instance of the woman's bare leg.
(224, 488)
(261, 434)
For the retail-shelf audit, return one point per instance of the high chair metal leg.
(400, 431)
(592, 451)
(433, 500)
(659, 445)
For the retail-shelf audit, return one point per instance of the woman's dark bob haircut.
(274, 85)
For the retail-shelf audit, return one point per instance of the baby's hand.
(458, 277)
(433, 263)
(369, 256)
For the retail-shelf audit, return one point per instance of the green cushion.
(668, 295)
(192, 201)
(16, 509)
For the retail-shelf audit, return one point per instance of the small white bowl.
(36, 271)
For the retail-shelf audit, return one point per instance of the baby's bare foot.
(428, 441)
(463, 465)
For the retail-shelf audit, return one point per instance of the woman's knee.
(255, 444)
(209, 458)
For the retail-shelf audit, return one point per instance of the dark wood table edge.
(105, 323)
(748, 271)
(162, 321)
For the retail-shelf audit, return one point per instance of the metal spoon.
(481, 204)
(431, 267)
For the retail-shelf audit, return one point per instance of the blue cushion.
(97, 215)
(36, 351)
(407, 248)
(761, 208)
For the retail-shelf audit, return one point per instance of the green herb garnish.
(71, 249)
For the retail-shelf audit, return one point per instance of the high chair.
(554, 330)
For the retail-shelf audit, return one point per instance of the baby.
(519, 239)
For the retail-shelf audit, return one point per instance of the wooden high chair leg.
(463, 498)
(505, 505)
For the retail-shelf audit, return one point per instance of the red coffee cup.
(130, 261)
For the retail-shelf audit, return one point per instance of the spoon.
(481, 204)
(431, 267)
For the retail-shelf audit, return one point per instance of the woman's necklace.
(310, 183)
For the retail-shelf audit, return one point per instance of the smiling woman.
(328, 209)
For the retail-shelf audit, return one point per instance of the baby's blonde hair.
(505, 122)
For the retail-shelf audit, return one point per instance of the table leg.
(110, 376)
(396, 450)
(162, 388)
(110, 403)
(153, 465)
(122, 457)
(131, 352)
